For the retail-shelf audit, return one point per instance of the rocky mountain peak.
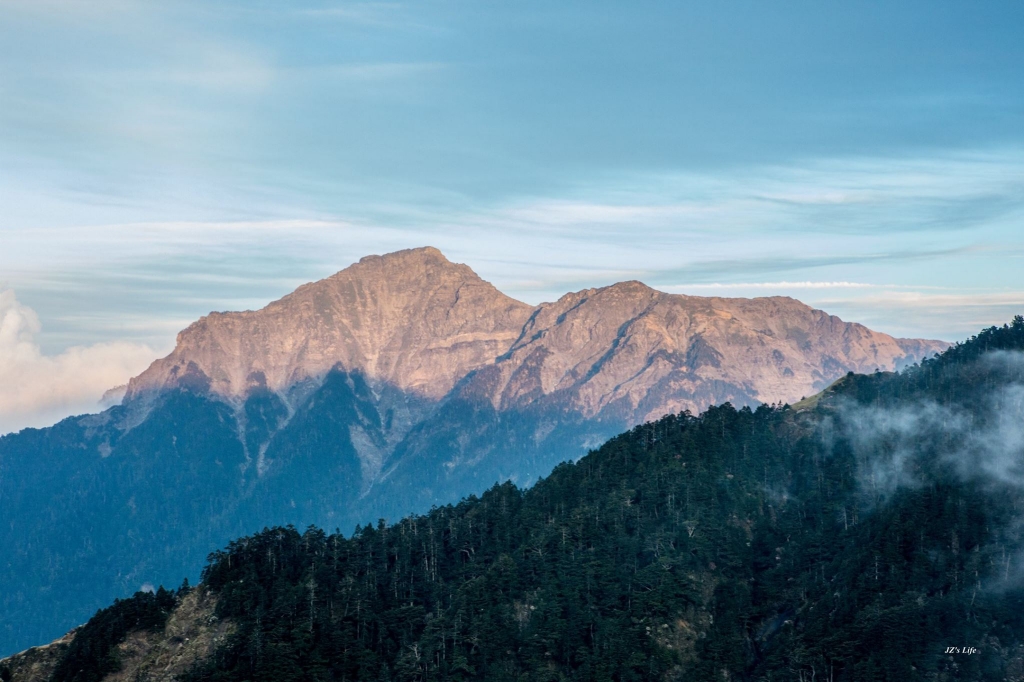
(634, 353)
(410, 318)
(420, 323)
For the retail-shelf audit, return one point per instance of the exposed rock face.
(411, 319)
(405, 380)
(191, 635)
(419, 323)
(642, 353)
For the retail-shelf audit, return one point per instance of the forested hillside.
(873, 533)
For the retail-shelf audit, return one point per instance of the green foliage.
(962, 373)
(740, 544)
(735, 545)
(81, 529)
(93, 654)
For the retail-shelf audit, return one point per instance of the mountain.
(400, 383)
(637, 354)
(421, 324)
(872, 533)
(410, 319)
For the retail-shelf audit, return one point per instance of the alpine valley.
(402, 383)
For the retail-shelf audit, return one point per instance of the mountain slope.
(402, 382)
(639, 354)
(874, 536)
(419, 323)
(411, 319)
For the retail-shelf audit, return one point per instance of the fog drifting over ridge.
(979, 442)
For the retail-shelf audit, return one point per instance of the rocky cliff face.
(405, 380)
(639, 354)
(411, 319)
(419, 323)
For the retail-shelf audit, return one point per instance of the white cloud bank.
(39, 390)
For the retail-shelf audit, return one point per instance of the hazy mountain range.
(401, 382)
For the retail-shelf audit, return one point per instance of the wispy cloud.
(159, 160)
(936, 301)
(778, 285)
(950, 190)
(388, 14)
(926, 312)
(698, 234)
(231, 73)
(980, 441)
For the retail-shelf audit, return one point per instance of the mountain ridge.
(429, 342)
(359, 317)
(421, 323)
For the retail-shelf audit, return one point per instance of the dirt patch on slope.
(37, 664)
(191, 635)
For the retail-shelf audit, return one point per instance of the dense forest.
(870, 533)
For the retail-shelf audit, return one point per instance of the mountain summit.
(402, 382)
(638, 353)
(412, 319)
(420, 323)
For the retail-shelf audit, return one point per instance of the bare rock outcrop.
(190, 636)
(412, 319)
(402, 382)
(643, 353)
(419, 323)
(35, 664)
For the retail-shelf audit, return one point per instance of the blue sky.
(159, 160)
